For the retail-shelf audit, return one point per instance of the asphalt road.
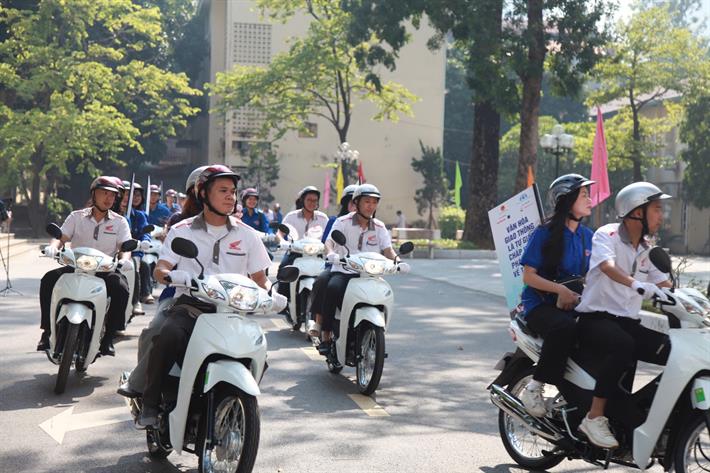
(430, 414)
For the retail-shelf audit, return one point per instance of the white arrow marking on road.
(65, 421)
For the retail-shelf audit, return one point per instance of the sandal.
(313, 328)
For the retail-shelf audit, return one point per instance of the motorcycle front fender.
(306, 283)
(75, 313)
(371, 314)
(230, 372)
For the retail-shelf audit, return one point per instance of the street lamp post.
(557, 143)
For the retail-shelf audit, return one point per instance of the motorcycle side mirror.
(287, 274)
(661, 260)
(282, 228)
(184, 247)
(54, 231)
(338, 237)
(406, 247)
(148, 229)
(129, 245)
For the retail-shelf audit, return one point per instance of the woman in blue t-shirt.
(558, 250)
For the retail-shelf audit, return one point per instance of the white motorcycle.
(364, 315)
(310, 264)
(152, 253)
(79, 304)
(668, 420)
(210, 407)
(132, 276)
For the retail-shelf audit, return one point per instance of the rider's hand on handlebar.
(648, 290)
(144, 245)
(279, 302)
(403, 268)
(333, 258)
(180, 278)
(50, 251)
(567, 299)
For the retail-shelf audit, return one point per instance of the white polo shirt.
(373, 238)
(232, 248)
(601, 294)
(313, 228)
(106, 236)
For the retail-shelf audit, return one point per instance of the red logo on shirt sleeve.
(235, 245)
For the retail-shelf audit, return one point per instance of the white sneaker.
(138, 309)
(533, 401)
(597, 431)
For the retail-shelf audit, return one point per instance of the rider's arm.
(389, 253)
(260, 278)
(616, 274)
(59, 243)
(162, 269)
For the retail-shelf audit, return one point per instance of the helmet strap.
(644, 222)
(572, 217)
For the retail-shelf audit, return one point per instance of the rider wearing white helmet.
(620, 276)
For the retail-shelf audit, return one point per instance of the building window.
(252, 43)
(311, 131)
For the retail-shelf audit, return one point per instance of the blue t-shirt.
(577, 249)
(159, 215)
(257, 221)
(137, 222)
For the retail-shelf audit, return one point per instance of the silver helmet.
(192, 178)
(366, 190)
(635, 195)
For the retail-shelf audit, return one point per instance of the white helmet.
(192, 178)
(635, 195)
(364, 190)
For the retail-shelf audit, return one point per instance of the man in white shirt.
(363, 232)
(100, 228)
(308, 221)
(225, 245)
(620, 276)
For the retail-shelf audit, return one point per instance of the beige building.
(238, 34)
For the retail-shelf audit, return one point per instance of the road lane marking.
(368, 405)
(280, 324)
(312, 353)
(65, 421)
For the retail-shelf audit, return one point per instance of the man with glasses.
(363, 233)
(100, 228)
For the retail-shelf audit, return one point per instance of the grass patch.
(444, 243)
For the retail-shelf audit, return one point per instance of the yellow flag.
(339, 182)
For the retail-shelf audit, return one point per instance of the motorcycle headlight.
(691, 308)
(212, 293)
(374, 266)
(354, 265)
(106, 267)
(241, 297)
(311, 249)
(87, 263)
(66, 259)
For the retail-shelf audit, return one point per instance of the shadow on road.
(38, 391)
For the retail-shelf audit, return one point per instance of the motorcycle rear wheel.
(523, 446)
(68, 350)
(236, 433)
(371, 357)
(693, 447)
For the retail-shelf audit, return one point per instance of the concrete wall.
(385, 148)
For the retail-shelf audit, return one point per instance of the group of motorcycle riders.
(603, 317)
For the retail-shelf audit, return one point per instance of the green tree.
(436, 188)
(317, 76)
(695, 132)
(262, 170)
(73, 95)
(650, 59)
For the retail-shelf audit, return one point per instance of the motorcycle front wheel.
(693, 447)
(523, 446)
(235, 438)
(303, 308)
(68, 350)
(371, 357)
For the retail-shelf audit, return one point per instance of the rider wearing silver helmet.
(620, 276)
(558, 251)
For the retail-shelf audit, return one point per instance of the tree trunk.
(636, 151)
(483, 174)
(532, 85)
(37, 210)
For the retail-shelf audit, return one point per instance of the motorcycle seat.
(523, 324)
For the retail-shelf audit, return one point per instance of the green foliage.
(318, 76)
(75, 96)
(444, 243)
(451, 219)
(262, 170)
(436, 188)
(695, 132)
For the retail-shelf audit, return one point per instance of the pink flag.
(599, 191)
(360, 174)
(326, 190)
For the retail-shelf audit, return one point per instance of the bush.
(451, 219)
(444, 243)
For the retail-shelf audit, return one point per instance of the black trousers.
(559, 330)
(618, 342)
(333, 298)
(287, 260)
(146, 284)
(116, 287)
(170, 344)
(318, 293)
